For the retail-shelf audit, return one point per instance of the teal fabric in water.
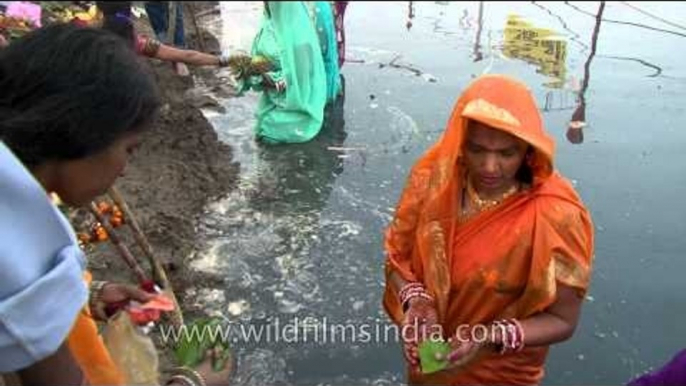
(326, 30)
(288, 39)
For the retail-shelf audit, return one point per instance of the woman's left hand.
(462, 351)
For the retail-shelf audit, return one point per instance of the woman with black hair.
(117, 18)
(74, 104)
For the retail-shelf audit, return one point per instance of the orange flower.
(104, 207)
(116, 221)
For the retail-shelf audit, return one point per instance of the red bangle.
(520, 333)
(512, 335)
(410, 291)
(402, 294)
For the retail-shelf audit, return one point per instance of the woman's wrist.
(507, 336)
(95, 302)
(185, 376)
(413, 292)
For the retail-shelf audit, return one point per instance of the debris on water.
(289, 306)
(262, 367)
(600, 335)
(615, 334)
(575, 182)
(372, 97)
(335, 148)
(590, 298)
(387, 92)
(429, 78)
(358, 305)
(374, 105)
(239, 307)
(581, 357)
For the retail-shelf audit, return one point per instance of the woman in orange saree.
(486, 230)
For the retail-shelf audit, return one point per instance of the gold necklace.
(484, 204)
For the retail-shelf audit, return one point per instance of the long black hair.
(525, 173)
(70, 92)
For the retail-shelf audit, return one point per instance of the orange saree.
(90, 352)
(502, 263)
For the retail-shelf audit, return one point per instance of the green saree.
(288, 39)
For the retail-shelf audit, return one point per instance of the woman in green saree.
(326, 30)
(291, 109)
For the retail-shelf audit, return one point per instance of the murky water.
(301, 238)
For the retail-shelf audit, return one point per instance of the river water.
(299, 242)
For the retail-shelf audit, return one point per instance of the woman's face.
(492, 157)
(78, 182)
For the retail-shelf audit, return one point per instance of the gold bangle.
(95, 303)
(184, 379)
(193, 374)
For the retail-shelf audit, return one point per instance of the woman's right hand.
(206, 370)
(420, 323)
(211, 377)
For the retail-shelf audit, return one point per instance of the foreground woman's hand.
(462, 351)
(115, 293)
(211, 377)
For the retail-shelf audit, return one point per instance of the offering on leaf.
(428, 353)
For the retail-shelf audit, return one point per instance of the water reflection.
(478, 55)
(574, 36)
(410, 15)
(628, 23)
(298, 178)
(575, 133)
(320, 259)
(539, 46)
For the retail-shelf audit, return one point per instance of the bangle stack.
(413, 290)
(95, 303)
(187, 377)
(512, 335)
